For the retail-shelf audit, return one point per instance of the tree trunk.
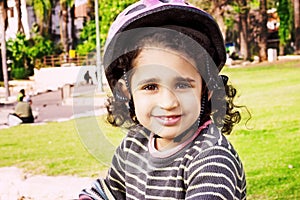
(281, 49)
(297, 25)
(48, 21)
(218, 14)
(263, 32)
(64, 26)
(217, 9)
(20, 25)
(73, 31)
(19, 13)
(244, 31)
(50, 31)
(43, 13)
(284, 32)
(90, 10)
(3, 17)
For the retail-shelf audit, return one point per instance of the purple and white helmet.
(165, 13)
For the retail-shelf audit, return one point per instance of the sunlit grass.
(53, 148)
(269, 143)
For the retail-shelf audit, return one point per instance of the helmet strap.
(126, 79)
(197, 124)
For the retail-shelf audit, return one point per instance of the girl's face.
(166, 90)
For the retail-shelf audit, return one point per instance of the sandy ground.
(16, 185)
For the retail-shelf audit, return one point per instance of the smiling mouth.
(168, 120)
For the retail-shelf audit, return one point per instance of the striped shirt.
(207, 167)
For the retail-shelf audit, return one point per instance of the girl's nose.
(168, 99)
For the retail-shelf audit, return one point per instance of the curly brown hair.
(225, 114)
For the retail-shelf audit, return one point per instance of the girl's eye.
(150, 87)
(183, 85)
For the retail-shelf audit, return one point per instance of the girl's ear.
(124, 91)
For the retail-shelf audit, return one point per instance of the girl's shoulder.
(211, 143)
(215, 158)
(212, 137)
(136, 136)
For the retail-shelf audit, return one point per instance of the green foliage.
(41, 46)
(20, 73)
(230, 19)
(284, 12)
(254, 4)
(17, 55)
(108, 11)
(70, 3)
(203, 4)
(16, 47)
(87, 38)
(23, 53)
(42, 10)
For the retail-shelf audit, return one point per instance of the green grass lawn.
(56, 148)
(268, 144)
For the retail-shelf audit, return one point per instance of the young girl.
(162, 63)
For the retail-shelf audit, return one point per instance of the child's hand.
(108, 104)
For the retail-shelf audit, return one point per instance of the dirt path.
(16, 185)
(49, 106)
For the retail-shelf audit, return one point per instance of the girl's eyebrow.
(155, 80)
(188, 79)
(146, 81)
